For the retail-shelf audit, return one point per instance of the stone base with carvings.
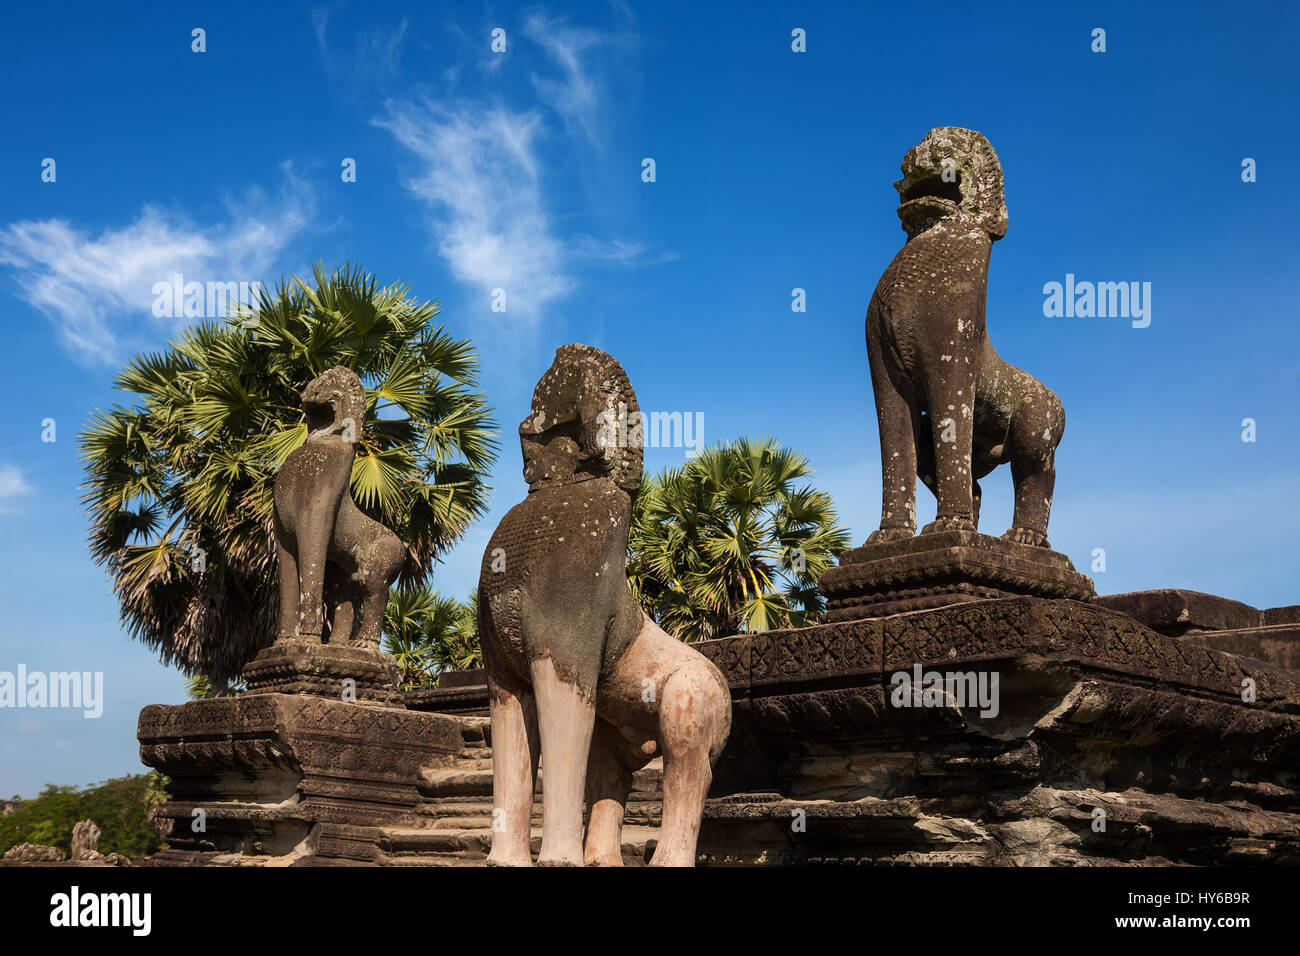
(289, 779)
(948, 567)
(1271, 635)
(342, 672)
(1111, 744)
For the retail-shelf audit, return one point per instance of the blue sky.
(522, 170)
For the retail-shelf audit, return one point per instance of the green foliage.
(733, 541)
(428, 633)
(156, 789)
(201, 687)
(119, 807)
(179, 483)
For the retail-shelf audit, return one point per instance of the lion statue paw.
(1028, 536)
(955, 523)
(885, 535)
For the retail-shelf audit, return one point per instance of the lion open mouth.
(932, 189)
(320, 413)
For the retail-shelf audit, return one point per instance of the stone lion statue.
(950, 409)
(329, 552)
(578, 675)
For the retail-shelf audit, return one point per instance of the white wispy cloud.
(479, 174)
(384, 47)
(320, 18)
(574, 95)
(633, 254)
(98, 289)
(12, 484)
(376, 52)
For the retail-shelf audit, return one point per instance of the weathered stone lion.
(578, 675)
(950, 409)
(330, 552)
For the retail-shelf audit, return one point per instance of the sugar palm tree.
(459, 650)
(428, 633)
(179, 481)
(733, 541)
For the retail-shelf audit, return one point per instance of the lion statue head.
(952, 174)
(333, 399)
(584, 423)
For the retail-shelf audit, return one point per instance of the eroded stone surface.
(1207, 620)
(85, 840)
(271, 774)
(1176, 611)
(1101, 722)
(339, 672)
(1096, 714)
(947, 567)
(34, 853)
(1113, 745)
(1278, 644)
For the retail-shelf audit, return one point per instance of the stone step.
(481, 822)
(475, 729)
(440, 840)
(472, 763)
(465, 801)
(459, 803)
(438, 859)
(458, 797)
(466, 811)
(469, 821)
(456, 781)
(469, 847)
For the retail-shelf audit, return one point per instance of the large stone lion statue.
(578, 674)
(950, 409)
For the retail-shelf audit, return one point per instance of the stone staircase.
(457, 810)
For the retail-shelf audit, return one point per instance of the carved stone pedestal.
(950, 567)
(1102, 743)
(289, 779)
(325, 670)
(313, 765)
